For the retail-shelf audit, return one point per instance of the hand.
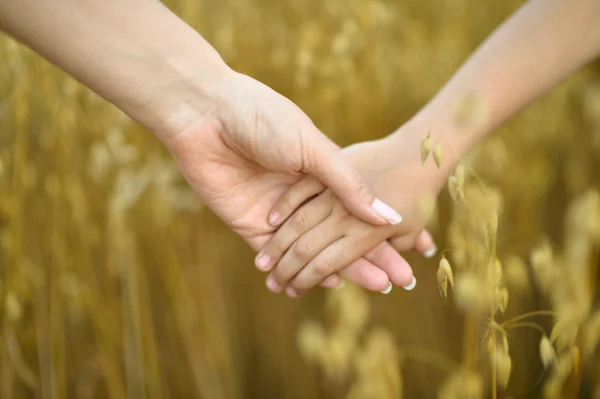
(264, 131)
(322, 237)
(240, 177)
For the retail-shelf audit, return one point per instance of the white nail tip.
(342, 284)
(430, 253)
(386, 212)
(412, 285)
(388, 289)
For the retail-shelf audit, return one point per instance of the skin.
(322, 237)
(535, 49)
(239, 144)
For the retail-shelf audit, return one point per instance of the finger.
(304, 250)
(386, 258)
(332, 259)
(365, 274)
(326, 163)
(295, 196)
(422, 243)
(333, 281)
(425, 244)
(297, 225)
(360, 272)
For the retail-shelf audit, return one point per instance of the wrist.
(177, 74)
(454, 143)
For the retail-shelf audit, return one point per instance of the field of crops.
(116, 282)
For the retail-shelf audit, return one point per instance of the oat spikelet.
(564, 334)
(425, 148)
(501, 300)
(547, 353)
(453, 189)
(503, 367)
(460, 174)
(444, 276)
(438, 154)
(564, 363)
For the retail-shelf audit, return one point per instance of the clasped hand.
(241, 162)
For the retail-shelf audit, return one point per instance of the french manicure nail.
(430, 252)
(274, 218)
(386, 212)
(412, 285)
(272, 285)
(388, 289)
(262, 261)
(342, 284)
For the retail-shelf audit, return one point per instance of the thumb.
(328, 165)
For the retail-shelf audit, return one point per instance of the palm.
(239, 191)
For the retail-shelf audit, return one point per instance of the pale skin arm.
(152, 65)
(134, 53)
(539, 46)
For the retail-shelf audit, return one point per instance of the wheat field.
(116, 282)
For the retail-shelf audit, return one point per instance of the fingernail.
(272, 285)
(274, 218)
(412, 285)
(262, 261)
(291, 293)
(386, 212)
(430, 252)
(342, 284)
(388, 289)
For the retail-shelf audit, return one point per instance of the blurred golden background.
(116, 282)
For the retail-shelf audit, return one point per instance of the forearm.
(135, 53)
(538, 47)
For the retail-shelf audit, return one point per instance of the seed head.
(503, 367)
(501, 300)
(547, 353)
(460, 174)
(453, 189)
(437, 154)
(564, 334)
(425, 148)
(444, 276)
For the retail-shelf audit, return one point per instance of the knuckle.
(302, 250)
(360, 184)
(299, 222)
(324, 269)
